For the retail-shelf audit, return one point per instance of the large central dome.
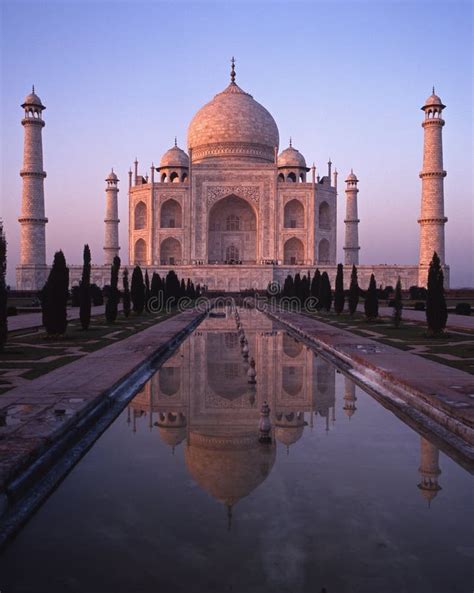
(233, 125)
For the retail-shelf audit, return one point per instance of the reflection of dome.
(174, 157)
(288, 435)
(233, 125)
(429, 491)
(172, 427)
(228, 467)
(172, 436)
(291, 157)
(289, 427)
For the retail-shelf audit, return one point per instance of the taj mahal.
(232, 213)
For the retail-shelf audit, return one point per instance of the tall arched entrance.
(232, 232)
(293, 252)
(170, 252)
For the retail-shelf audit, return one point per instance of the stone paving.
(37, 412)
(441, 392)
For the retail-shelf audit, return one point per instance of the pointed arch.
(293, 251)
(140, 252)
(170, 252)
(140, 216)
(171, 214)
(324, 216)
(294, 215)
(323, 251)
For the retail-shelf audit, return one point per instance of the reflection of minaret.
(349, 397)
(429, 470)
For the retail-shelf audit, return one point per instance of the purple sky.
(345, 80)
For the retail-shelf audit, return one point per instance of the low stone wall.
(235, 278)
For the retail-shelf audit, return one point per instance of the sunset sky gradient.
(345, 79)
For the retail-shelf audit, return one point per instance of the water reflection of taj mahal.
(201, 398)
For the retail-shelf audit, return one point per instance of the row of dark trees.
(3, 288)
(317, 292)
(139, 296)
(319, 287)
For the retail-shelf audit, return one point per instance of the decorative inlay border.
(216, 192)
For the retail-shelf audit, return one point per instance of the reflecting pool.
(178, 495)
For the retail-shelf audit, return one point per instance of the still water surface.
(179, 496)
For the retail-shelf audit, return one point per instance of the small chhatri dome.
(112, 176)
(32, 100)
(233, 125)
(291, 158)
(433, 101)
(174, 157)
(352, 176)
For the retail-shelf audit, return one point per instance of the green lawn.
(36, 354)
(410, 336)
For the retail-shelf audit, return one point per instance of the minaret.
(429, 470)
(349, 397)
(432, 218)
(32, 271)
(351, 246)
(111, 243)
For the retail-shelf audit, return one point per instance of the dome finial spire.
(232, 70)
(433, 90)
(176, 141)
(32, 88)
(291, 142)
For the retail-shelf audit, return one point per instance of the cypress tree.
(182, 288)
(126, 294)
(155, 291)
(3, 289)
(353, 292)
(172, 289)
(111, 307)
(288, 287)
(339, 297)
(436, 310)
(147, 292)
(397, 304)
(305, 290)
(137, 291)
(297, 286)
(325, 295)
(54, 297)
(85, 290)
(371, 304)
(316, 288)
